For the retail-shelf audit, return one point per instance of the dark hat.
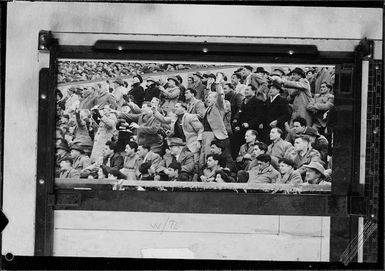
(150, 80)
(179, 78)
(298, 71)
(139, 77)
(198, 74)
(260, 69)
(119, 81)
(275, 84)
(175, 141)
(311, 131)
(174, 79)
(317, 166)
(63, 145)
(211, 75)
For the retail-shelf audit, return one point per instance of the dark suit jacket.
(252, 113)
(116, 163)
(277, 110)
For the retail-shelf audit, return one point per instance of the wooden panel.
(200, 236)
(166, 222)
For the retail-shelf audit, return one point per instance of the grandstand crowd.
(251, 127)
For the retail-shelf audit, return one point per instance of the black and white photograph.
(191, 135)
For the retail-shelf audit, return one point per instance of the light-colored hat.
(317, 166)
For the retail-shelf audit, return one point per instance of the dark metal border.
(45, 156)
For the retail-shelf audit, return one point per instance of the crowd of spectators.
(78, 71)
(254, 127)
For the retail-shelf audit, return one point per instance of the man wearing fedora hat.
(137, 90)
(171, 94)
(152, 90)
(198, 86)
(315, 174)
(276, 110)
(181, 154)
(299, 89)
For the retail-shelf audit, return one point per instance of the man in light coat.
(213, 124)
(299, 88)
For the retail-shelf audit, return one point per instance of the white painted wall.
(23, 62)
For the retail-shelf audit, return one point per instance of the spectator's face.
(309, 75)
(249, 92)
(215, 150)
(297, 127)
(128, 150)
(64, 165)
(211, 163)
(170, 172)
(211, 99)
(142, 152)
(283, 168)
(188, 95)
(262, 164)
(107, 110)
(273, 91)
(74, 153)
(274, 135)
(196, 78)
(219, 179)
(234, 80)
(171, 83)
(324, 89)
(190, 81)
(245, 72)
(312, 176)
(126, 109)
(179, 109)
(249, 137)
(300, 144)
(107, 151)
(146, 109)
(257, 151)
(135, 80)
(155, 102)
(226, 89)
(295, 76)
